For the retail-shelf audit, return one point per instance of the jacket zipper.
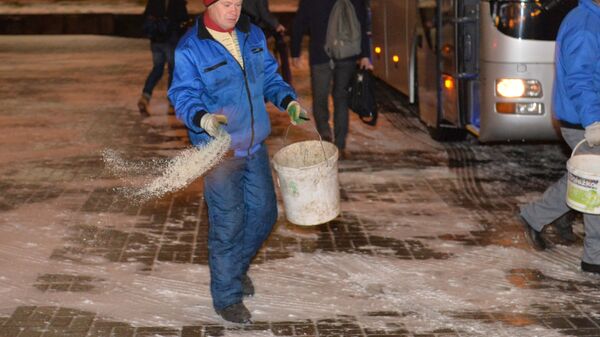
(249, 95)
(247, 88)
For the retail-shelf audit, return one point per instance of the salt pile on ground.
(177, 173)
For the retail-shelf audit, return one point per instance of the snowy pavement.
(427, 243)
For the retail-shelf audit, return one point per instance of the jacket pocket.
(255, 63)
(215, 75)
(214, 67)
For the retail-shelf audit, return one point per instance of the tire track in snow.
(461, 159)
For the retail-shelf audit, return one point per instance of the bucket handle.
(576, 147)
(318, 134)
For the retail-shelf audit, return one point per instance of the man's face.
(225, 13)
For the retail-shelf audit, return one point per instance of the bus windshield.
(531, 20)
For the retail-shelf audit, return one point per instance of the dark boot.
(533, 237)
(564, 227)
(247, 286)
(590, 268)
(143, 103)
(236, 313)
(344, 155)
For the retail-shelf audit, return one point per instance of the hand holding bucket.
(583, 183)
(297, 114)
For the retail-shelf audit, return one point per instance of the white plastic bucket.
(583, 187)
(307, 174)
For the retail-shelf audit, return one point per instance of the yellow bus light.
(377, 50)
(506, 108)
(447, 50)
(448, 82)
(396, 58)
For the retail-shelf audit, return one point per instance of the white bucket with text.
(583, 188)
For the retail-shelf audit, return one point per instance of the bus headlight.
(516, 87)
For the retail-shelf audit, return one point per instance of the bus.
(479, 66)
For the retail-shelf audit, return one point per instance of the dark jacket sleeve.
(266, 16)
(299, 28)
(178, 15)
(362, 12)
(154, 8)
(181, 13)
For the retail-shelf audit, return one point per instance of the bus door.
(458, 57)
(467, 57)
(427, 77)
(447, 64)
(448, 115)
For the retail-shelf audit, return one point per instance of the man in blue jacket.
(576, 101)
(223, 75)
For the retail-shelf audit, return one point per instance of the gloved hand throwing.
(297, 114)
(592, 134)
(211, 123)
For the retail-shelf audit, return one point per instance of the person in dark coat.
(258, 11)
(164, 23)
(312, 18)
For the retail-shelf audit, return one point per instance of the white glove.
(211, 123)
(297, 114)
(592, 134)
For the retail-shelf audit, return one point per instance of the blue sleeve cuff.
(286, 101)
(198, 116)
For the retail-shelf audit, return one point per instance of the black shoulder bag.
(362, 96)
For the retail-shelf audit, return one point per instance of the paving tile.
(10, 331)
(583, 323)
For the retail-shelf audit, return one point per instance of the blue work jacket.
(576, 97)
(208, 79)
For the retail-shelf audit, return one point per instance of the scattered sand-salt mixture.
(175, 173)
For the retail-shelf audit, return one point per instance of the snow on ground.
(428, 293)
(305, 286)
